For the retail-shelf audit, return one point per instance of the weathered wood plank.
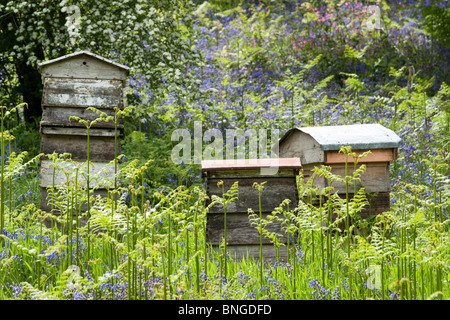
(249, 174)
(101, 148)
(239, 229)
(250, 164)
(303, 146)
(83, 67)
(275, 191)
(47, 196)
(377, 155)
(308, 172)
(48, 222)
(374, 179)
(83, 93)
(76, 131)
(378, 203)
(101, 174)
(47, 206)
(60, 117)
(240, 252)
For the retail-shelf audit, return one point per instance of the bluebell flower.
(16, 289)
(319, 292)
(312, 284)
(79, 296)
(4, 254)
(251, 295)
(336, 295)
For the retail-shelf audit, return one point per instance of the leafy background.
(229, 64)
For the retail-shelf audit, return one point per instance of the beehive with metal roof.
(317, 146)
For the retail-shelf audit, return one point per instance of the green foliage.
(154, 237)
(436, 22)
(314, 63)
(155, 40)
(139, 146)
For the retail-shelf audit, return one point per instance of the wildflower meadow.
(246, 65)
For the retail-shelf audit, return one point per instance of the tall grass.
(139, 246)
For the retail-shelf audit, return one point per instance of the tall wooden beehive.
(317, 146)
(242, 237)
(71, 84)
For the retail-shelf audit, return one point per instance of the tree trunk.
(30, 85)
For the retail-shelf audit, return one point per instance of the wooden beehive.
(242, 237)
(71, 84)
(317, 146)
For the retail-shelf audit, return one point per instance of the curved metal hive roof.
(358, 136)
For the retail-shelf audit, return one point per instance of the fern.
(29, 292)
(350, 52)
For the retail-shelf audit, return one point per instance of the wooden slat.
(308, 172)
(47, 207)
(250, 164)
(46, 203)
(77, 131)
(105, 171)
(249, 173)
(374, 179)
(101, 148)
(60, 117)
(378, 203)
(83, 93)
(239, 229)
(377, 155)
(275, 191)
(240, 252)
(48, 222)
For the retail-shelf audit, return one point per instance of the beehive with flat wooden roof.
(71, 84)
(242, 237)
(316, 146)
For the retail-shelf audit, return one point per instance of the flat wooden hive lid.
(251, 164)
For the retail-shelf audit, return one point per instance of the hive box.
(242, 237)
(71, 84)
(317, 146)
